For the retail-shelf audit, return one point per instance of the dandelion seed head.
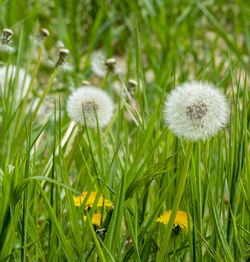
(90, 102)
(23, 80)
(196, 110)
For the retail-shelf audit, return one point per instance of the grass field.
(134, 162)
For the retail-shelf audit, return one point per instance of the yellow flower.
(181, 219)
(96, 219)
(91, 200)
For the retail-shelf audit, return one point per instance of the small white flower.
(196, 110)
(98, 66)
(91, 102)
(23, 80)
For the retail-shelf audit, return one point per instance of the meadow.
(97, 163)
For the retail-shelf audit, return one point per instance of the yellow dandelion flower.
(96, 219)
(181, 219)
(91, 200)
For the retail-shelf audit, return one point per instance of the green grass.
(136, 162)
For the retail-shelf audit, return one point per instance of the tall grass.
(135, 162)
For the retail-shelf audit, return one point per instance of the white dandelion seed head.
(23, 80)
(91, 102)
(98, 66)
(196, 110)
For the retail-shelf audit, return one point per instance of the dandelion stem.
(165, 241)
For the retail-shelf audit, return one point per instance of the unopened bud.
(110, 63)
(62, 56)
(6, 36)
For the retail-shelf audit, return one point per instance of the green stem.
(165, 241)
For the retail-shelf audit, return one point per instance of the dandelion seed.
(91, 200)
(181, 220)
(90, 102)
(196, 110)
(96, 219)
(23, 80)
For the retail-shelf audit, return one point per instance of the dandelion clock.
(90, 102)
(196, 110)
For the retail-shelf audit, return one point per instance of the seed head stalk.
(165, 241)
